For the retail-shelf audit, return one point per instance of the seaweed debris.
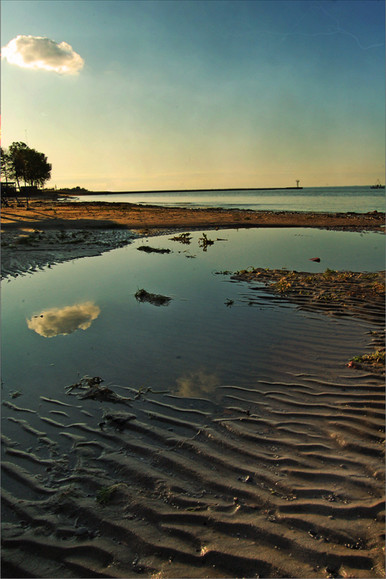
(92, 389)
(204, 242)
(182, 238)
(329, 286)
(148, 249)
(341, 293)
(373, 362)
(156, 299)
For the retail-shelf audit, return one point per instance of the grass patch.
(105, 494)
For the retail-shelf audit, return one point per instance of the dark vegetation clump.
(148, 249)
(182, 238)
(156, 299)
(204, 242)
(90, 388)
(375, 361)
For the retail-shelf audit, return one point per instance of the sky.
(154, 95)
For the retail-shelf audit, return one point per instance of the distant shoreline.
(78, 191)
(83, 192)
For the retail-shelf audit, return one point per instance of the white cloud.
(39, 53)
(64, 321)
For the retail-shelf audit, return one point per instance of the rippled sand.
(281, 478)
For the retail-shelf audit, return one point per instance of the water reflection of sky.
(191, 346)
(56, 321)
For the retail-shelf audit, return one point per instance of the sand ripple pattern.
(283, 479)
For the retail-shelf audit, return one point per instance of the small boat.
(377, 185)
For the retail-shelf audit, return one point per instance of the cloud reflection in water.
(198, 383)
(63, 321)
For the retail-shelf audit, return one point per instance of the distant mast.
(297, 183)
(377, 185)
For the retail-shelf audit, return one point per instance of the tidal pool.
(82, 317)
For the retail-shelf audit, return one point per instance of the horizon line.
(209, 189)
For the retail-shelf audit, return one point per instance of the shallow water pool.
(82, 317)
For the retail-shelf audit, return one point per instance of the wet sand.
(25, 251)
(283, 478)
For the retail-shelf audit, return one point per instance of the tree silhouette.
(29, 165)
(5, 166)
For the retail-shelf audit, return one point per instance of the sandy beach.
(284, 478)
(102, 215)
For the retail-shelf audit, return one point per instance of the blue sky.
(194, 94)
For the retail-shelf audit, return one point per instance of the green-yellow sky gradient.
(202, 94)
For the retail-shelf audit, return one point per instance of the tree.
(37, 169)
(29, 165)
(5, 167)
(16, 156)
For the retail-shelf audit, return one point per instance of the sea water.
(315, 199)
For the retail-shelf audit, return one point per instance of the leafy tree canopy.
(24, 164)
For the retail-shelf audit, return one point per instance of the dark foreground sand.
(284, 478)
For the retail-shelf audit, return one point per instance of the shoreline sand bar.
(57, 215)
